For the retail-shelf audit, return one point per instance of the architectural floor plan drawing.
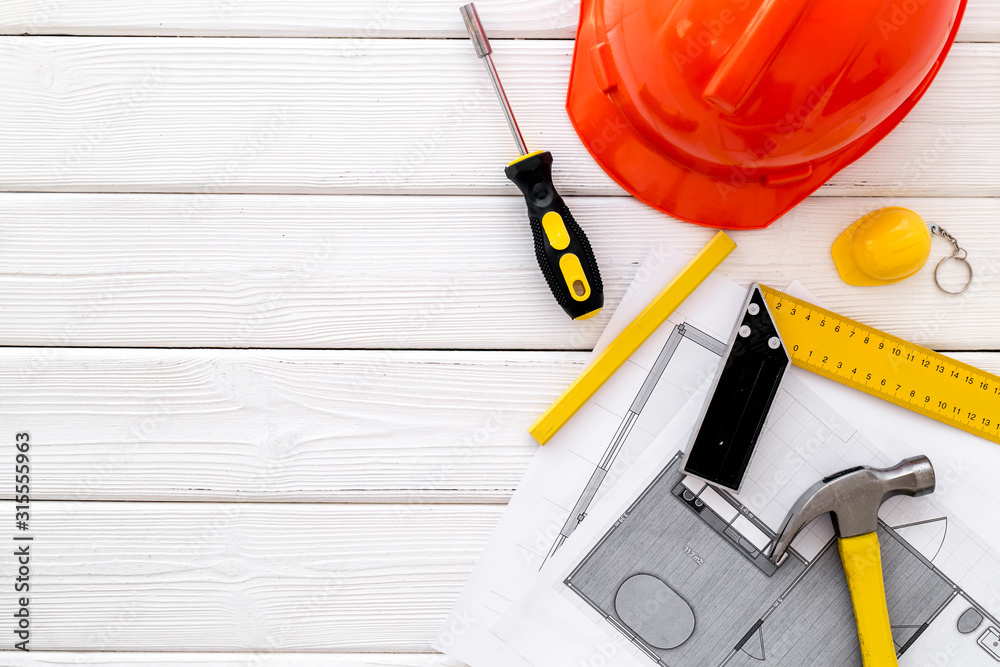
(678, 576)
(585, 458)
(679, 334)
(608, 440)
(753, 604)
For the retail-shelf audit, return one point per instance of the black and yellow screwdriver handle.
(562, 249)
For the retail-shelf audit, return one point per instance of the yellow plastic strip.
(634, 335)
(887, 367)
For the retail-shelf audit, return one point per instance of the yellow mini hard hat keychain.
(892, 244)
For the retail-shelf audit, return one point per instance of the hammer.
(853, 498)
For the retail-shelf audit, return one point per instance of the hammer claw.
(853, 498)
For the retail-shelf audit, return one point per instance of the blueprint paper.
(560, 472)
(611, 429)
(968, 467)
(669, 571)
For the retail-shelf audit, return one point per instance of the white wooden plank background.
(335, 18)
(255, 577)
(208, 115)
(257, 659)
(385, 272)
(295, 427)
(319, 499)
(325, 426)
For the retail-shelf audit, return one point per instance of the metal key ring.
(958, 258)
(958, 254)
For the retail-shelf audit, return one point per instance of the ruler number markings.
(888, 367)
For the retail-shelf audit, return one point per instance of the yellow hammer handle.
(862, 559)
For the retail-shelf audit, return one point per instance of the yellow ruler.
(887, 367)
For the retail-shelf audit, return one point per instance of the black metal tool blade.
(745, 386)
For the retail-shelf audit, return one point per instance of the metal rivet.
(774, 343)
(744, 331)
(753, 309)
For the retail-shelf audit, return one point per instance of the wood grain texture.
(289, 427)
(403, 427)
(385, 116)
(210, 577)
(131, 659)
(335, 18)
(391, 272)
(315, 506)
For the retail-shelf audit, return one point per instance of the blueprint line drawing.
(680, 332)
(682, 576)
(559, 473)
(518, 615)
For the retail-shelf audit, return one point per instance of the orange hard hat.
(728, 113)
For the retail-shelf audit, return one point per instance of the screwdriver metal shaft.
(484, 51)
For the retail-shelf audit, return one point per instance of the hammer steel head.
(853, 497)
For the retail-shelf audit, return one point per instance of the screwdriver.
(562, 249)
